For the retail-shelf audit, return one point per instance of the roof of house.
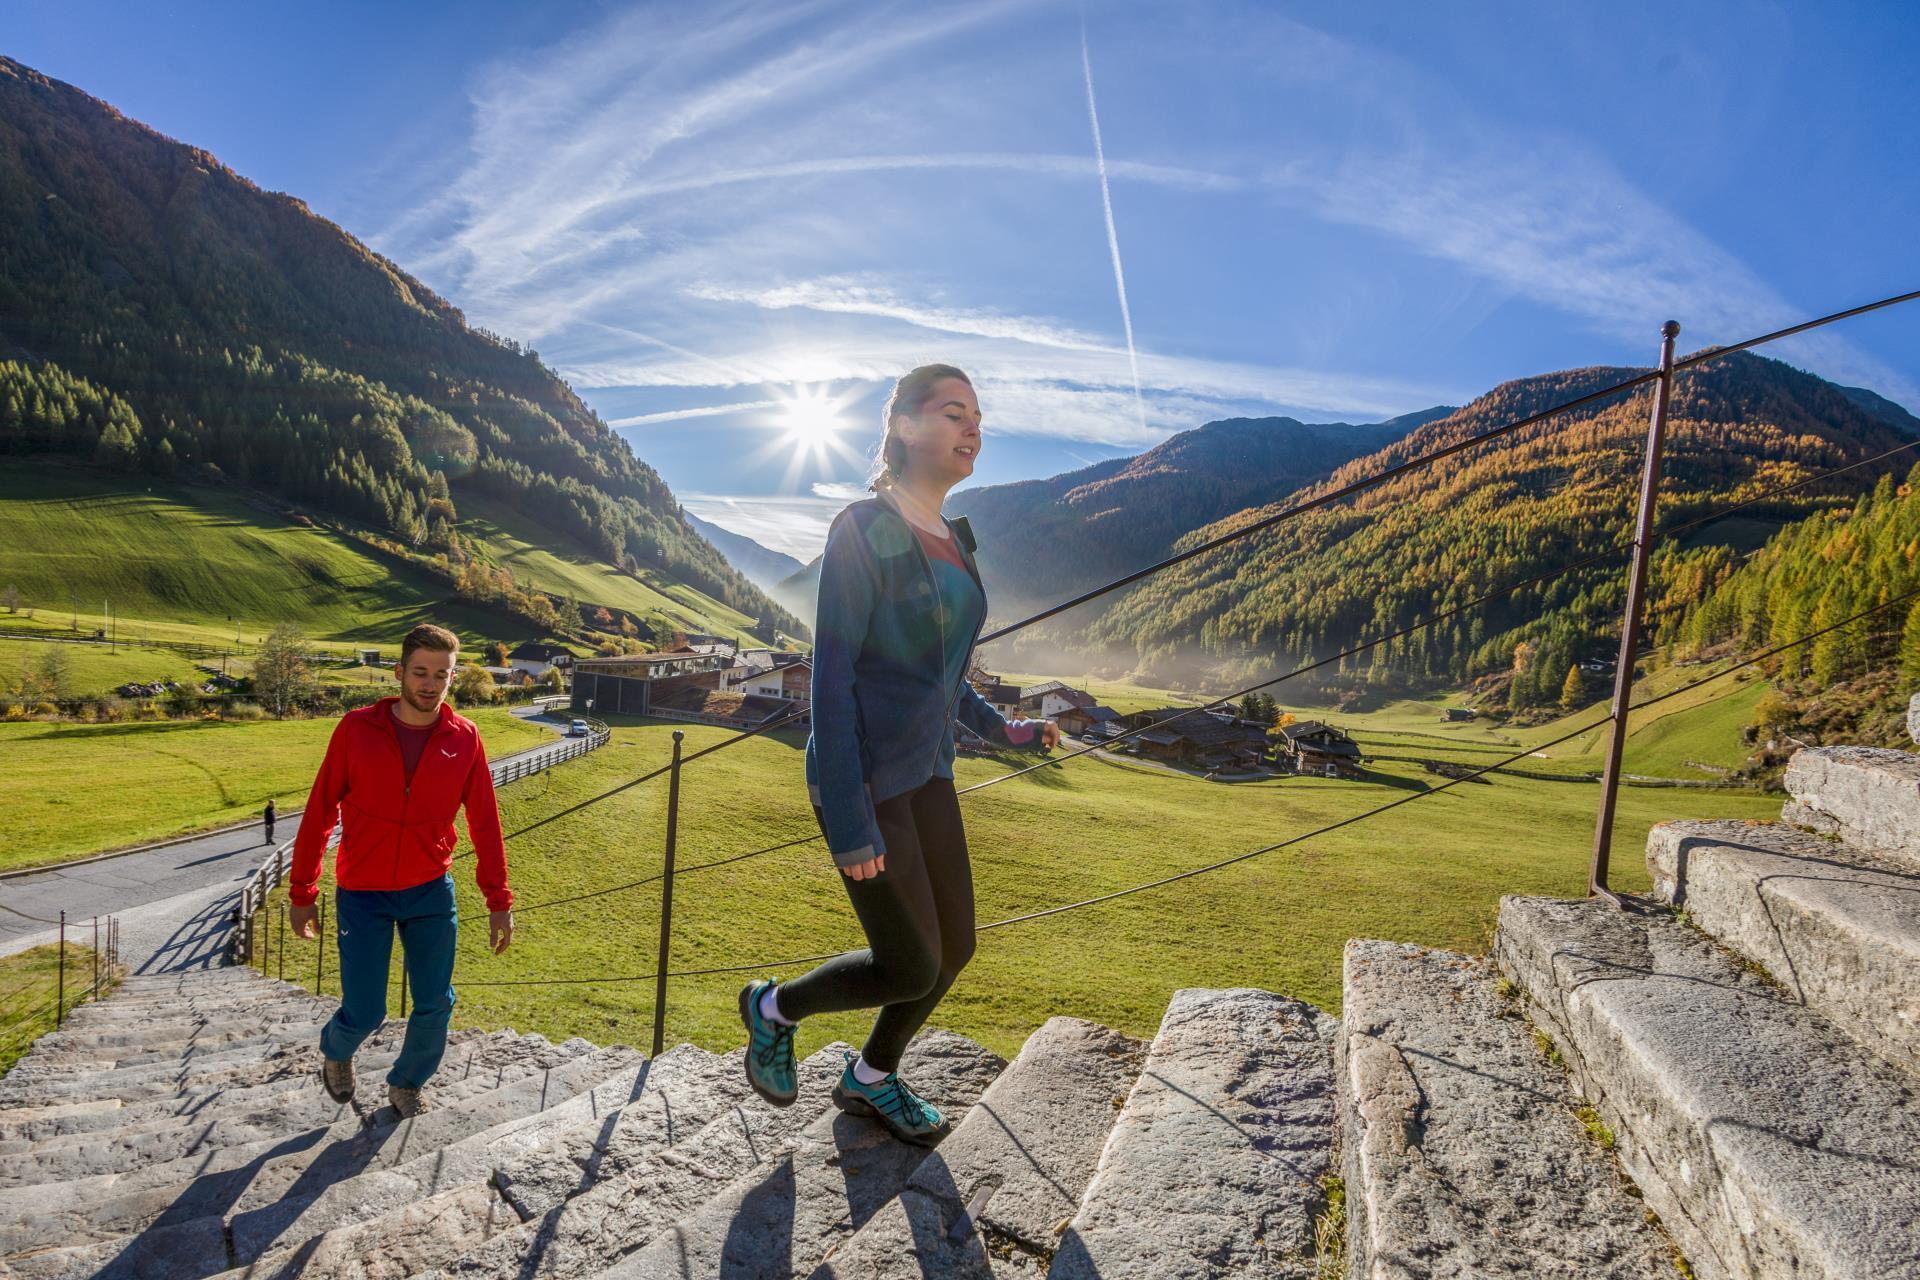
(536, 651)
(1313, 729)
(731, 704)
(1204, 730)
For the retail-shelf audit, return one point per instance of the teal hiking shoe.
(770, 1069)
(910, 1117)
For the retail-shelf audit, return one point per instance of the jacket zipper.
(406, 783)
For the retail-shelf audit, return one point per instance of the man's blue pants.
(428, 923)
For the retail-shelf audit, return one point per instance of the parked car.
(578, 729)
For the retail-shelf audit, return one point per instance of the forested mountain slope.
(1527, 504)
(161, 314)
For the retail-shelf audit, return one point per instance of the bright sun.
(810, 416)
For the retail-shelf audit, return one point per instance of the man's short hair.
(428, 636)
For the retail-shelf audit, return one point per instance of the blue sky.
(698, 213)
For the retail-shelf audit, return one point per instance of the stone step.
(1215, 1166)
(119, 1007)
(288, 1224)
(1460, 1147)
(786, 1214)
(169, 1053)
(456, 1204)
(633, 1200)
(165, 1138)
(69, 1051)
(39, 1124)
(1867, 796)
(1838, 928)
(1769, 1142)
(111, 1210)
(1011, 1173)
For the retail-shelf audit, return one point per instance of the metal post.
(666, 899)
(280, 946)
(96, 957)
(60, 1001)
(320, 958)
(1630, 624)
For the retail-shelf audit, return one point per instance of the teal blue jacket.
(882, 712)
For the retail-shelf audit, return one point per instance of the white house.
(536, 659)
(791, 681)
(1045, 701)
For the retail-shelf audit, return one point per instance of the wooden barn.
(1201, 740)
(1312, 746)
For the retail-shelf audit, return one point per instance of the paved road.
(173, 903)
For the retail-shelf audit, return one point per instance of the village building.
(536, 658)
(1097, 720)
(1312, 746)
(1001, 696)
(1197, 739)
(788, 681)
(630, 685)
(1047, 701)
(1457, 714)
(510, 677)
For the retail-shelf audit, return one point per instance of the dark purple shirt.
(413, 740)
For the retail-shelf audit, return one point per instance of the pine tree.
(1573, 694)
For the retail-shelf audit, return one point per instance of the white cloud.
(702, 411)
(837, 492)
(798, 526)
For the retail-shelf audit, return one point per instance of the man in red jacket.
(397, 772)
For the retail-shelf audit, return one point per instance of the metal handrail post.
(60, 999)
(320, 950)
(1630, 624)
(666, 899)
(280, 947)
(96, 958)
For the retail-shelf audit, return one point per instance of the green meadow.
(30, 994)
(1430, 871)
(70, 790)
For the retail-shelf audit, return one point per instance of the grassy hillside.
(167, 554)
(97, 669)
(548, 564)
(1431, 872)
(70, 790)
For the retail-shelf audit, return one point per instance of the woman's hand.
(866, 870)
(1049, 736)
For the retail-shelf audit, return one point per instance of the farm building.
(629, 685)
(1047, 701)
(1200, 739)
(1079, 720)
(1311, 746)
(536, 659)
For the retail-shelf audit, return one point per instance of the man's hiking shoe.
(407, 1102)
(770, 1069)
(910, 1117)
(337, 1078)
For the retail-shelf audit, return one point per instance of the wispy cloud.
(847, 296)
(838, 492)
(796, 526)
(701, 411)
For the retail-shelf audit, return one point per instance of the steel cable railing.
(1550, 575)
(1322, 500)
(1191, 873)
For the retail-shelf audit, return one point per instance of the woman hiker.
(900, 609)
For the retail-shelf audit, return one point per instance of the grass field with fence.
(70, 790)
(1431, 871)
(31, 993)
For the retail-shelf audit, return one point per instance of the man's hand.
(305, 920)
(866, 870)
(499, 930)
(1049, 736)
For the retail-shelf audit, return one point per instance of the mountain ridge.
(167, 315)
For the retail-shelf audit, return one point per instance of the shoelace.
(778, 1037)
(902, 1103)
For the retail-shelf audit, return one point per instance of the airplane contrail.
(1113, 236)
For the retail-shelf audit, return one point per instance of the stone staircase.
(1728, 1075)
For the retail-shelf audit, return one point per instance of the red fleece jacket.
(396, 834)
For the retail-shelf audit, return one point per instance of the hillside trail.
(1721, 1080)
(174, 901)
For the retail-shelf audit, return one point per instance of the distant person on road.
(398, 771)
(900, 609)
(268, 818)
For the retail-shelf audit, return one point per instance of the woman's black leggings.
(918, 915)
